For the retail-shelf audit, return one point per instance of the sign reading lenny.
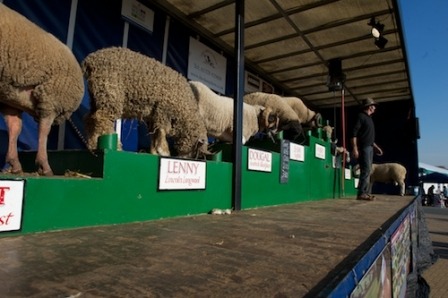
(181, 174)
(259, 160)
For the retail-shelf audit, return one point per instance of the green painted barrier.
(107, 186)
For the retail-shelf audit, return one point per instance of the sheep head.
(202, 149)
(199, 150)
(268, 120)
(328, 131)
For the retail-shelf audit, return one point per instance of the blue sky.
(426, 37)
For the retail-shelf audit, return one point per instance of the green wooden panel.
(124, 187)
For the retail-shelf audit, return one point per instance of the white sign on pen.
(181, 174)
(11, 202)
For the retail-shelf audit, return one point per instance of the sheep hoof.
(46, 173)
(12, 170)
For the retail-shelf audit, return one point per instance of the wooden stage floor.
(281, 251)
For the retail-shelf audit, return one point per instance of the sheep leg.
(13, 119)
(402, 188)
(42, 156)
(159, 144)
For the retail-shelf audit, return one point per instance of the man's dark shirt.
(364, 130)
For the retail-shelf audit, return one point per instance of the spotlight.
(377, 33)
(377, 28)
(381, 42)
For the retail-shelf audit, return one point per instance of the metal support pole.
(238, 103)
(343, 139)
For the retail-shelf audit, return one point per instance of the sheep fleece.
(389, 172)
(303, 112)
(38, 75)
(34, 60)
(126, 84)
(217, 113)
(277, 103)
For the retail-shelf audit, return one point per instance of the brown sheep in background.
(126, 84)
(306, 116)
(386, 173)
(38, 75)
(288, 119)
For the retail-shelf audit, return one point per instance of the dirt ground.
(282, 251)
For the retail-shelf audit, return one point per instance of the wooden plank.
(281, 251)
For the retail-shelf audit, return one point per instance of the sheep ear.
(275, 120)
(270, 119)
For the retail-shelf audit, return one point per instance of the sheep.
(39, 75)
(217, 113)
(328, 130)
(126, 84)
(387, 173)
(306, 116)
(288, 119)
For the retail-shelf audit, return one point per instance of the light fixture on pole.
(380, 42)
(336, 78)
(377, 33)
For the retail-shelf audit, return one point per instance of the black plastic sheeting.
(417, 285)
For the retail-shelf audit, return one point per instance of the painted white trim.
(119, 122)
(165, 39)
(69, 43)
(125, 34)
(71, 23)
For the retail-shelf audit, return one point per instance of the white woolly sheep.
(288, 119)
(306, 116)
(38, 75)
(126, 84)
(387, 173)
(217, 114)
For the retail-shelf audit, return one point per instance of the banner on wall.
(207, 66)
(401, 258)
(11, 202)
(138, 14)
(266, 87)
(253, 83)
(376, 283)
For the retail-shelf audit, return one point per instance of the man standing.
(363, 147)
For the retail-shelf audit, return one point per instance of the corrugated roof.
(290, 43)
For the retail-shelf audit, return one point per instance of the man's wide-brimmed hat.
(369, 102)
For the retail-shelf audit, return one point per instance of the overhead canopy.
(291, 43)
(435, 178)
